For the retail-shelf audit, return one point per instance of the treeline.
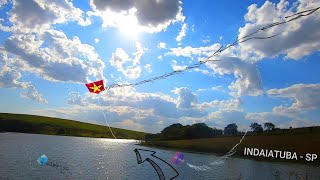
(178, 131)
(201, 130)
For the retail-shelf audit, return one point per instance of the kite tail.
(105, 119)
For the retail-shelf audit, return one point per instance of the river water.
(91, 158)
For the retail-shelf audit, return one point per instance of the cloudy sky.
(50, 49)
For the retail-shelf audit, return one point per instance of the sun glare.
(129, 26)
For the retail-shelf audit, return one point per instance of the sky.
(50, 49)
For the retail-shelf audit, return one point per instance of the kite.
(96, 87)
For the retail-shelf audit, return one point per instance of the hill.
(56, 126)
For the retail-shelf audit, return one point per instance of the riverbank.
(301, 144)
(63, 127)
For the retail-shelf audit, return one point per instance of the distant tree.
(231, 129)
(269, 126)
(256, 127)
(217, 132)
(174, 131)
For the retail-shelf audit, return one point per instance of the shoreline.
(238, 154)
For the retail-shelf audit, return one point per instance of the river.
(92, 158)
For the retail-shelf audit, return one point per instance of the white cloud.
(96, 40)
(76, 99)
(42, 14)
(205, 41)
(162, 45)
(186, 99)
(297, 38)
(159, 57)
(33, 95)
(176, 67)
(213, 88)
(182, 33)
(119, 58)
(128, 66)
(54, 57)
(217, 88)
(305, 99)
(306, 96)
(203, 71)
(189, 51)
(9, 78)
(148, 68)
(150, 16)
(247, 74)
(232, 104)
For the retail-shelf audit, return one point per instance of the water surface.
(92, 158)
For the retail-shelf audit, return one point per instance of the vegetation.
(178, 131)
(299, 140)
(55, 126)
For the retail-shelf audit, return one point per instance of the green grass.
(55, 126)
(301, 143)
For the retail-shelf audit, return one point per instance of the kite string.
(223, 48)
(220, 160)
(105, 119)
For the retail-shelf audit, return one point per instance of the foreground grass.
(300, 143)
(55, 126)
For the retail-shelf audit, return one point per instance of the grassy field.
(55, 126)
(302, 144)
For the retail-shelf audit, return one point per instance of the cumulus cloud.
(151, 16)
(33, 95)
(177, 67)
(9, 78)
(76, 99)
(186, 98)
(305, 99)
(162, 45)
(42, 14)
(189, 51)
(247, 74)
(296, 39)
(182, 33)
(148, 68)
(55, 57)
(306, 96)
(232, 104)
(148, 109)
(127, 65)
(96, 40)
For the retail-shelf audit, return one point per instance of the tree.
(231, 129)
(256, 127)
(174, 131)
(269, 126)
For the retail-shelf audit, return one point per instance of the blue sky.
(50, 49)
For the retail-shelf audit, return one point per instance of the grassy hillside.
(55, 126)
(301, 143)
